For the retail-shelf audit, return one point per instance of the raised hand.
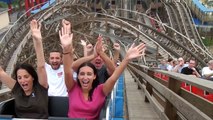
(35, 28)
(134, 52)
(104, 47)
(65, 38)
(66, 24)
(193, 69)
(83, 42)
(99, 45)
(117, 47)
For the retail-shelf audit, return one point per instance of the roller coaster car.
(58, 109)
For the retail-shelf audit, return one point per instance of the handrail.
(170, 96)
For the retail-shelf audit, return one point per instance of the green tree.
(3, 5)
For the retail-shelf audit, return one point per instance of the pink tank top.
(81, 108)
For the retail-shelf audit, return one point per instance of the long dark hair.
(29, 68)
(95, 82)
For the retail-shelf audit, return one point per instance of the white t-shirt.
(55, 79)
(206, 70)
(180, 68)
(169, 67)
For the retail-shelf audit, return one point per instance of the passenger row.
(87, 81)
(188, 68)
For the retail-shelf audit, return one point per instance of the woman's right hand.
(66, 38)
(35, 28)
(6, 79)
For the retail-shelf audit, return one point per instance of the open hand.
(35, 28)
(134, 52)
(65, 37)
(83, 42)
(66, 24)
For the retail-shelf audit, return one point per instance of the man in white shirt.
(207, 72)
(55, 71)
(55, 75)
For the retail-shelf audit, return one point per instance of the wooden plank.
(156, 106)
(198, 82)
(187, 109)
(159, 98)
(165, 83)
(199, 102)
(158, 109)
(170, 111)
(149, 86)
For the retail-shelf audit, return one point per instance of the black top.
(32, 106)
(188, 71)
(103, 74)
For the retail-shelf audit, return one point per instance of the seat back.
(7, 109)
(64, 118)
(58, 106)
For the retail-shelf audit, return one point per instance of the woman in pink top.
(86, 97)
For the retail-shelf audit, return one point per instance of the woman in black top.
(29, 88)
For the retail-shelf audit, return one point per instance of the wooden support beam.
(170, 110)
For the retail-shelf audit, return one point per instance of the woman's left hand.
(135, 51)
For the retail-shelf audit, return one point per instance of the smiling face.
(86, 77)
(25, 80)
(55, 60)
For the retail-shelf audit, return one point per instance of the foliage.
(208, 42)
(15, 2)
(3, 5)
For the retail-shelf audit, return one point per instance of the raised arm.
(133, 52)
(108, 62)
(84, 44)
(90, 55)
(66, 43)
(6, 79)
(35, 28)
(82, 60)
(207, 76)
(117, 49)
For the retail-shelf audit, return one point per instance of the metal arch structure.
(17, 46)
